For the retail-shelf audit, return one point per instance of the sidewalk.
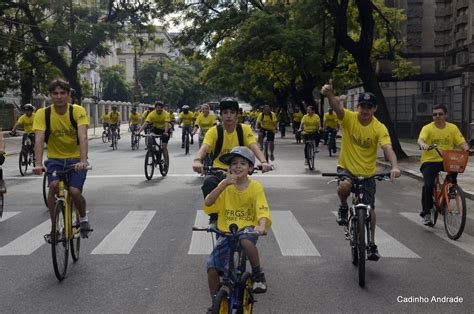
(411, 167)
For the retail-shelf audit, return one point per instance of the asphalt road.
(145, 266)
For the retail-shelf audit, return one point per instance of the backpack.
(263, 115)
(220, 139)
(47, 115)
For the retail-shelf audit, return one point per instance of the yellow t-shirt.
(445, 139)
(243, 208)
(297, 116)
(230, 141)
(105, 118)
(27, 122)
(186, 119)
(158, 120)
(114, 117)
(206, 122)
(134, 118)
(330, 120)
(266, 122)
(254, 114)
(171, 116)
(359, 144)
(145, 114)
(311, 123)
(62, 143)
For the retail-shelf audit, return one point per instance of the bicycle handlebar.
(378, 176)
(228, 234)
(215, 169)
(70, 168)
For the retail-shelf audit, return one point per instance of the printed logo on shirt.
(239, 214)
(364, 143)
(64, 132)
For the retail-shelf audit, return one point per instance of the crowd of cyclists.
(228, 140)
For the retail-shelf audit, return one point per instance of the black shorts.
(164, 137)
(269, 134)
(368, 189)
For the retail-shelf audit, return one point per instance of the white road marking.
(389, 247)
(28, 242)
(465, 242)
(7, 215)
(124, 236)
(290, 235)
(201, 241)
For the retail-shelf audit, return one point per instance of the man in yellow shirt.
(66, 136)
(186, 121)
(311, 125)
(330, 126)
(267, 126)
(105, 119)
(134, 119)
(361, 133)
(445, 136)
(114, 120)
(26, 120)
(297, 116)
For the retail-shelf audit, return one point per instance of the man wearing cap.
(361, 132)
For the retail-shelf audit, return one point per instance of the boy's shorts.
(368, 189)
(217, 258)
(75, 178)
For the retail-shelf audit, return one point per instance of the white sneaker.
(427, 220)
(306, 162)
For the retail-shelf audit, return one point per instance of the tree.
(115, 86)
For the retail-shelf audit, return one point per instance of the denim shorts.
(217, 258)
(368, 189)
(75, 178)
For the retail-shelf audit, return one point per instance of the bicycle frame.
(442, 195)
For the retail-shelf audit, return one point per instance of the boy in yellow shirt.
(241, 201)
(26, 120)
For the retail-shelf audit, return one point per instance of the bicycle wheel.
(265, 149)
(330, 146)
(246, 296)
(104, 137)
(132, 141)
(1, 204)
(163, 167)
(59, 244)
(186, 144)
(221, 302)
(361, 246)
(309, 154)
(455, 213)
(353, 243)
(137, 141)
(75, 242)
(149, 164)
(23, 162)
(115, 141)
(45, 189)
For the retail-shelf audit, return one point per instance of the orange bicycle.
(449, 199)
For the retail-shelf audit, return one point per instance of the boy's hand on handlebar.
(424, 146)
(38, 170)
(394, 173)
(266, 167)
(198, 166)
(80, 166)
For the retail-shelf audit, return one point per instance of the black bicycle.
(114, 136)
(187, 136)
(358, 231)
(3, 187)
(154, 156)
(309, 148)
(331, 141)
(106, 135)
(135, 138)
(27, 154)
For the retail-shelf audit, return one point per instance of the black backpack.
(220, 139)
(47, 115)
(263, 116)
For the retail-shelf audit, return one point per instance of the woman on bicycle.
(311, 125)
(204, 121)
(445, 136)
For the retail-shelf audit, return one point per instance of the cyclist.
(361, 132)
(311, 125)
(330, 126)
(267, 125)
(105, 119)
(186, 121)
(26, 120)
(204, 121)
(134, 119)
(282, 121)
(66, 136)
(114, 120)
(445, 136)
(172, 121)
(297, 116)
(159, 120)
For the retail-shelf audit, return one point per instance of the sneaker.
(272, 158)
(182, 145)
(427, 220)
(316, 150)
(306, 162)
(373, 253)
(47, 238)
(111, 145)
(259, 283)
(342, 216)
(85, 229)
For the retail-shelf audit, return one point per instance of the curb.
(416, 175)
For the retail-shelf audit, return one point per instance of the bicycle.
(45, 189)
(3, 187)
(309, 148)
(66, 230)
(358, 230)
(27, 155)
(265, 143)
(106, 135)
(235, 291)
(331, 141)
(154, 156)
(135, 139)
(114, 137)
(448, 197)
(186, 139)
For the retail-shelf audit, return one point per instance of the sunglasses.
(438, 114)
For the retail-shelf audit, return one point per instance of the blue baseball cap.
(368, 98)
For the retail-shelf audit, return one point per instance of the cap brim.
(226, 158)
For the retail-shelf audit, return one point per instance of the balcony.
(461, 35)
(462, 19)
(462, 4)
(440, 12)
(443, 26)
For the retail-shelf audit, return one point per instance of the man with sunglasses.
(445, 136)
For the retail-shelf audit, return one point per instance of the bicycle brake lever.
(332, 181)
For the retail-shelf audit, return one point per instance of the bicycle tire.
(186, 144)
(353, 244)
(104, 137)
(149, 164)
(455, 221)
(137, 141)
(298, 137)
(116, 141)
(1, 204)
(309, 153)
(45, 189)
(246, 295)
(163, 165)
(221, 303)
(132, 141)
(361, 245)
(23, 162)
(265, 147)
(59, 244)
(75, 242)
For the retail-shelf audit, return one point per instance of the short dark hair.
(59, 83)
(159, 103)
(442, 107)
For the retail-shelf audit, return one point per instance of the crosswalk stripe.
(290, 235)
(389, 247)
(28, 242)
(124, 236)
(465, 242)
(201, 242)
(7, 215)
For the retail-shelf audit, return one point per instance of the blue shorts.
(75, 178)
(217, 258)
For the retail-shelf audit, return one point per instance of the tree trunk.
(26, 87)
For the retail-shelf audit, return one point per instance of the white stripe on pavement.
(290, 235)
(28, 242)
(201, 241)
(465, 242)
(7, 215)
(389, 247)
(124, 236)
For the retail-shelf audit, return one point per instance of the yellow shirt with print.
(186, 118)
(446, 138)
(359, 144)
(243, 208)
(330, 120)
(311, 123)
(134, 118)
(230, 141)
(105, 118)
(158, 120)
(266, 122)
(114, 117)
(297, 116)
(62, 143)
(27, 122)
(205, 122)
